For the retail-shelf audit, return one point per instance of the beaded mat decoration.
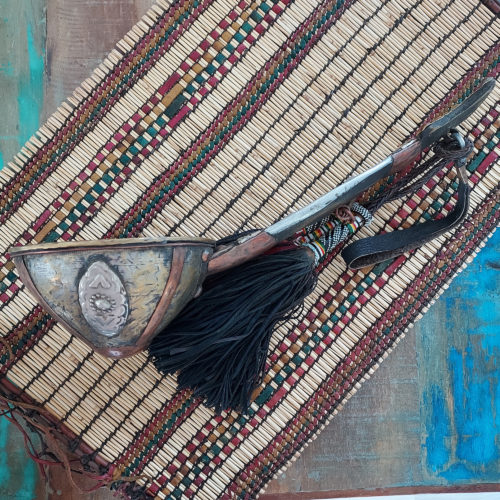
(213, 116)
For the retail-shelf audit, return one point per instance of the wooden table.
(430, 416)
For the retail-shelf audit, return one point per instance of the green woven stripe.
(81, 129)
(125, 159)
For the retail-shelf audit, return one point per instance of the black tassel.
(219, 342)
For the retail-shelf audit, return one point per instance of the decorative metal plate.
(103, 299)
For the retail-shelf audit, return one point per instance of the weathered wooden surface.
(373, 442)
(429, 416)
(431, 413)
(22, 46)
(79, 36)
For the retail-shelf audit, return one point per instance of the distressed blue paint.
(18, 472)
(497, 406)
(22, 55)
(458, 473)
(30, 475)
(5, 430)
(7, 68)
(30, 95)
(439, 425)
(461, 373)
(474, 422)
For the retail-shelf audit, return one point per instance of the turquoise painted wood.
(22, 52)
(458, 349)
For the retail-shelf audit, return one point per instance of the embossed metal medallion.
(103, 299)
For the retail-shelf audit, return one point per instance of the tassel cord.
(219, 344)
(187, 337)
(445, 152)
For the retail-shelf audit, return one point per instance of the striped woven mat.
(212, 116)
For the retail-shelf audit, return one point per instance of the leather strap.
(375, 249)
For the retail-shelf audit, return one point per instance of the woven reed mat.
(212, 116)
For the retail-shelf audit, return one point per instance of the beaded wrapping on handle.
(322, 238)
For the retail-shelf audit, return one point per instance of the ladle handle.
(325, 205)
(260, 242)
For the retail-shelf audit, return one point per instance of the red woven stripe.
(92, 100)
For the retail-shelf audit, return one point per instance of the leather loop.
(375, 249)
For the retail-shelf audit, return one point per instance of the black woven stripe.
(401, 114)
(46, 367)
(88, 391)
(228, 173)
(337, 123)
(138, 403)
(107, 405)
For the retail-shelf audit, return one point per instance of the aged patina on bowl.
(116, 295)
